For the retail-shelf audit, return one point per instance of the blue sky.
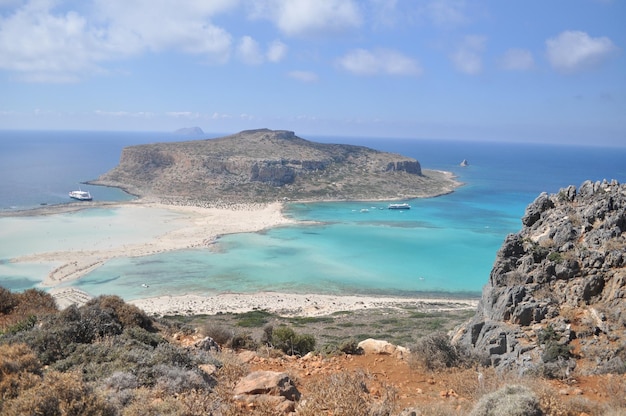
(533, 70)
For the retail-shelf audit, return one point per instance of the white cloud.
(304, 76)
(309, 17)
(468, 56)
(276, 51)
(42, 43)
(379, 61)
(517, 60)
(572, 51)
(166, 24)
(249, 51)
(184, 114)
(46, 47)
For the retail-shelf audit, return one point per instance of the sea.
(441, 247)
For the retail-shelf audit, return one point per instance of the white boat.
(80, 195)
(399, 206)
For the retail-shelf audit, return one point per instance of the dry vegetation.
(109, 358)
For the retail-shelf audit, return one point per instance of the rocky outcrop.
(267, 388)
(556, 296)
(266, 165)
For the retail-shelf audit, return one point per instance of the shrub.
(8, 301)
(38, 301)
(19, 370)
(218, 333)
(175, 380)
(512, 400)
(287, 340)
(125, 314)
(435, 352)
(243, 341)
(59, 394)
(253, 319)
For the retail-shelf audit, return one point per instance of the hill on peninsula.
(267, 165)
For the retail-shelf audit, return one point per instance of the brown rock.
(267, 382)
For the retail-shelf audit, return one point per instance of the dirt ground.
(454, 390)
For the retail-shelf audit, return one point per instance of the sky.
(549, 71)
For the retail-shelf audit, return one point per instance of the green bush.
(253, 319)
(286, 339)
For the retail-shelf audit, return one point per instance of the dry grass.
(347, 394)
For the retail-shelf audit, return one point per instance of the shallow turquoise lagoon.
(442, 246)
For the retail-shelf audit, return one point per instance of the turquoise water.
(436, 247)
(442, 246)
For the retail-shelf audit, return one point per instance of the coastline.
(289, 304)
(283, 304)
(193, 226)
(176, 228)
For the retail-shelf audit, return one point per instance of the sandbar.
(135, 229)
(140, 228)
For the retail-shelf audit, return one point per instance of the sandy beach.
(284, 304)
(135, 229)
(145, 228)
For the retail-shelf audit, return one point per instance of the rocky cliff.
(555, 299)
(263, 165)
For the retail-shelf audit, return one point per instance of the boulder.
(376, 346)
(267, 383)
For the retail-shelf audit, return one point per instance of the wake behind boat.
(80, 195)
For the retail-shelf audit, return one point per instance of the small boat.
(80, 195)
(399, 206)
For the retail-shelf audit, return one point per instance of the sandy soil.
(190, 227)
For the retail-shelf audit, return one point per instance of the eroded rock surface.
(556, 293)
(268, 165)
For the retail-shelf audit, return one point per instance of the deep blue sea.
(442, 246)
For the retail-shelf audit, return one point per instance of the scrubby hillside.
(555, 302)
(266, 165)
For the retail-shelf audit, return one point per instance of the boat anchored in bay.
(80, 195)
(399, 206)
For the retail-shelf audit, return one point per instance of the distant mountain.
(190, 131)
(267, 165)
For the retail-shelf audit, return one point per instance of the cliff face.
(556, 294)
(259, 165)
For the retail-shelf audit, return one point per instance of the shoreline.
(170, 227)
(283, 304)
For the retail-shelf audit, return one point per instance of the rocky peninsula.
(270, 165)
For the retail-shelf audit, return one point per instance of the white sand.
(141, 228)
(287, 304)
(284, 304)
(135, 229)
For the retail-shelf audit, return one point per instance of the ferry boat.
(399, 206)
(80, 195)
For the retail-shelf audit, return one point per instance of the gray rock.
(569, 253)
